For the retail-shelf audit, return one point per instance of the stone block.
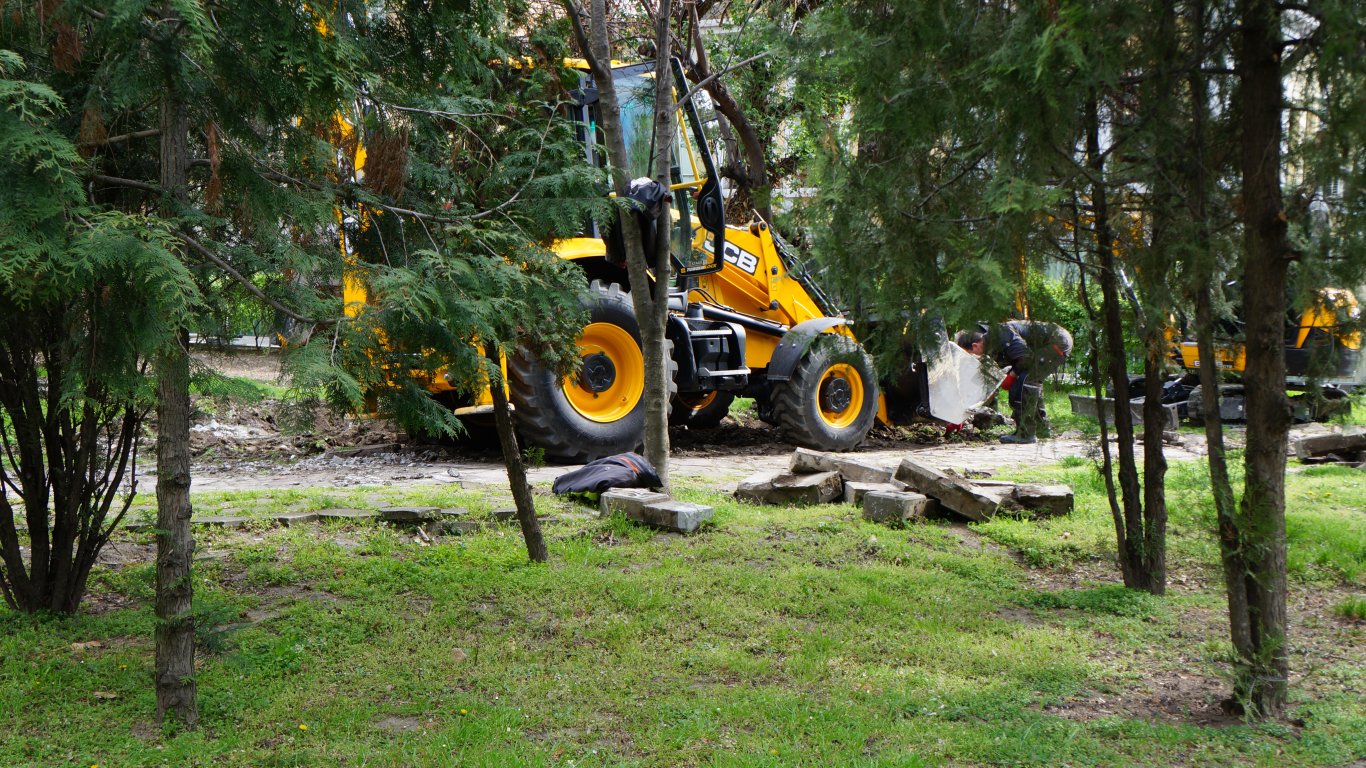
(680, 516)
(784, 488)
(296, 518)
(807, 462)
(409, 514)
(629, 501)
(854, 491)
(954, 494)
(896, 507)
(1342, 443)
(504, 514)
(1040, 501)
(1086, 406)
(1045, 500)
(347, 514)
(219, 521)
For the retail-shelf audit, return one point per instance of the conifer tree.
(222, 150)
(982, 128)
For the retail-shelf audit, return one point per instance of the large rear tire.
(830, 402)
(599, 411)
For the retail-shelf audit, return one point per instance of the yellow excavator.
(746, 319)
(1323, 356)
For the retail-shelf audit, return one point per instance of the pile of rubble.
(912, 491)
(1337, 448)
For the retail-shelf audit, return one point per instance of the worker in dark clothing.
(1032, 351)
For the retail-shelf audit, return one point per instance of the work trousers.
(1026, 391)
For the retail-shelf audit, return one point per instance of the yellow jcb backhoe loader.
(745, 319)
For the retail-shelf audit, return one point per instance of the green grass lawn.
(777, 636)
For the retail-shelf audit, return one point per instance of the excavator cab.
(699, 220)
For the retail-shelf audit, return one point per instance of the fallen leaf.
(458, 654)
(82, 647)
(105, 695)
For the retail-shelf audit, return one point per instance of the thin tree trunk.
(649, 296)
(652, 334)
(1266, 253)
(175, 682)
(1154, 567)
(1205, 276)
(1131, 547)
(512, 458)
(1107, 466)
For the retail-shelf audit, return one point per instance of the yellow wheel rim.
(695, 404)
(840, 395)
(612, 379)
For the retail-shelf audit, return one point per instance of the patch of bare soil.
(279, 430)
(1188, 686)
(745, 435)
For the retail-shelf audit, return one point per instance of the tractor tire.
(601, 410)
(703, 411)
(830, 402)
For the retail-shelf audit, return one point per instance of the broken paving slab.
(295, 518)
(629, 501)
(1085, 405)
(218, 521)
(1045, 500)
(677, 516)
(896, 507)
(1340, 443)
(806, 462)
(347, 514)
(953, 494)
(1041, 501)
(855, 491)
(409, 514)
(787, 488)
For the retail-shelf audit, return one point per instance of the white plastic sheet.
(959, 382)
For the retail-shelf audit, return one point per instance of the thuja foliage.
(1186, 145)
(422, 141)
(85, 293)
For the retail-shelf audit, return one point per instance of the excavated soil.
(271, 444)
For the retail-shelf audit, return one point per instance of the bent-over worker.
(1033, 351)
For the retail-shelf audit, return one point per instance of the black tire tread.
(541, 423)
(791, 399)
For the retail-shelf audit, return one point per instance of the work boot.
(1015, 438)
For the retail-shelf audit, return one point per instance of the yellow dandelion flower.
(303, 727)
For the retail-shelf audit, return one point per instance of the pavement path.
(721, 469)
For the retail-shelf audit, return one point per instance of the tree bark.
(1133, 536)
(1266, 256)
(175, 681)
(1154, 554)
(512, 458)
(1204, 275)
(654, 313)
(649, 273)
